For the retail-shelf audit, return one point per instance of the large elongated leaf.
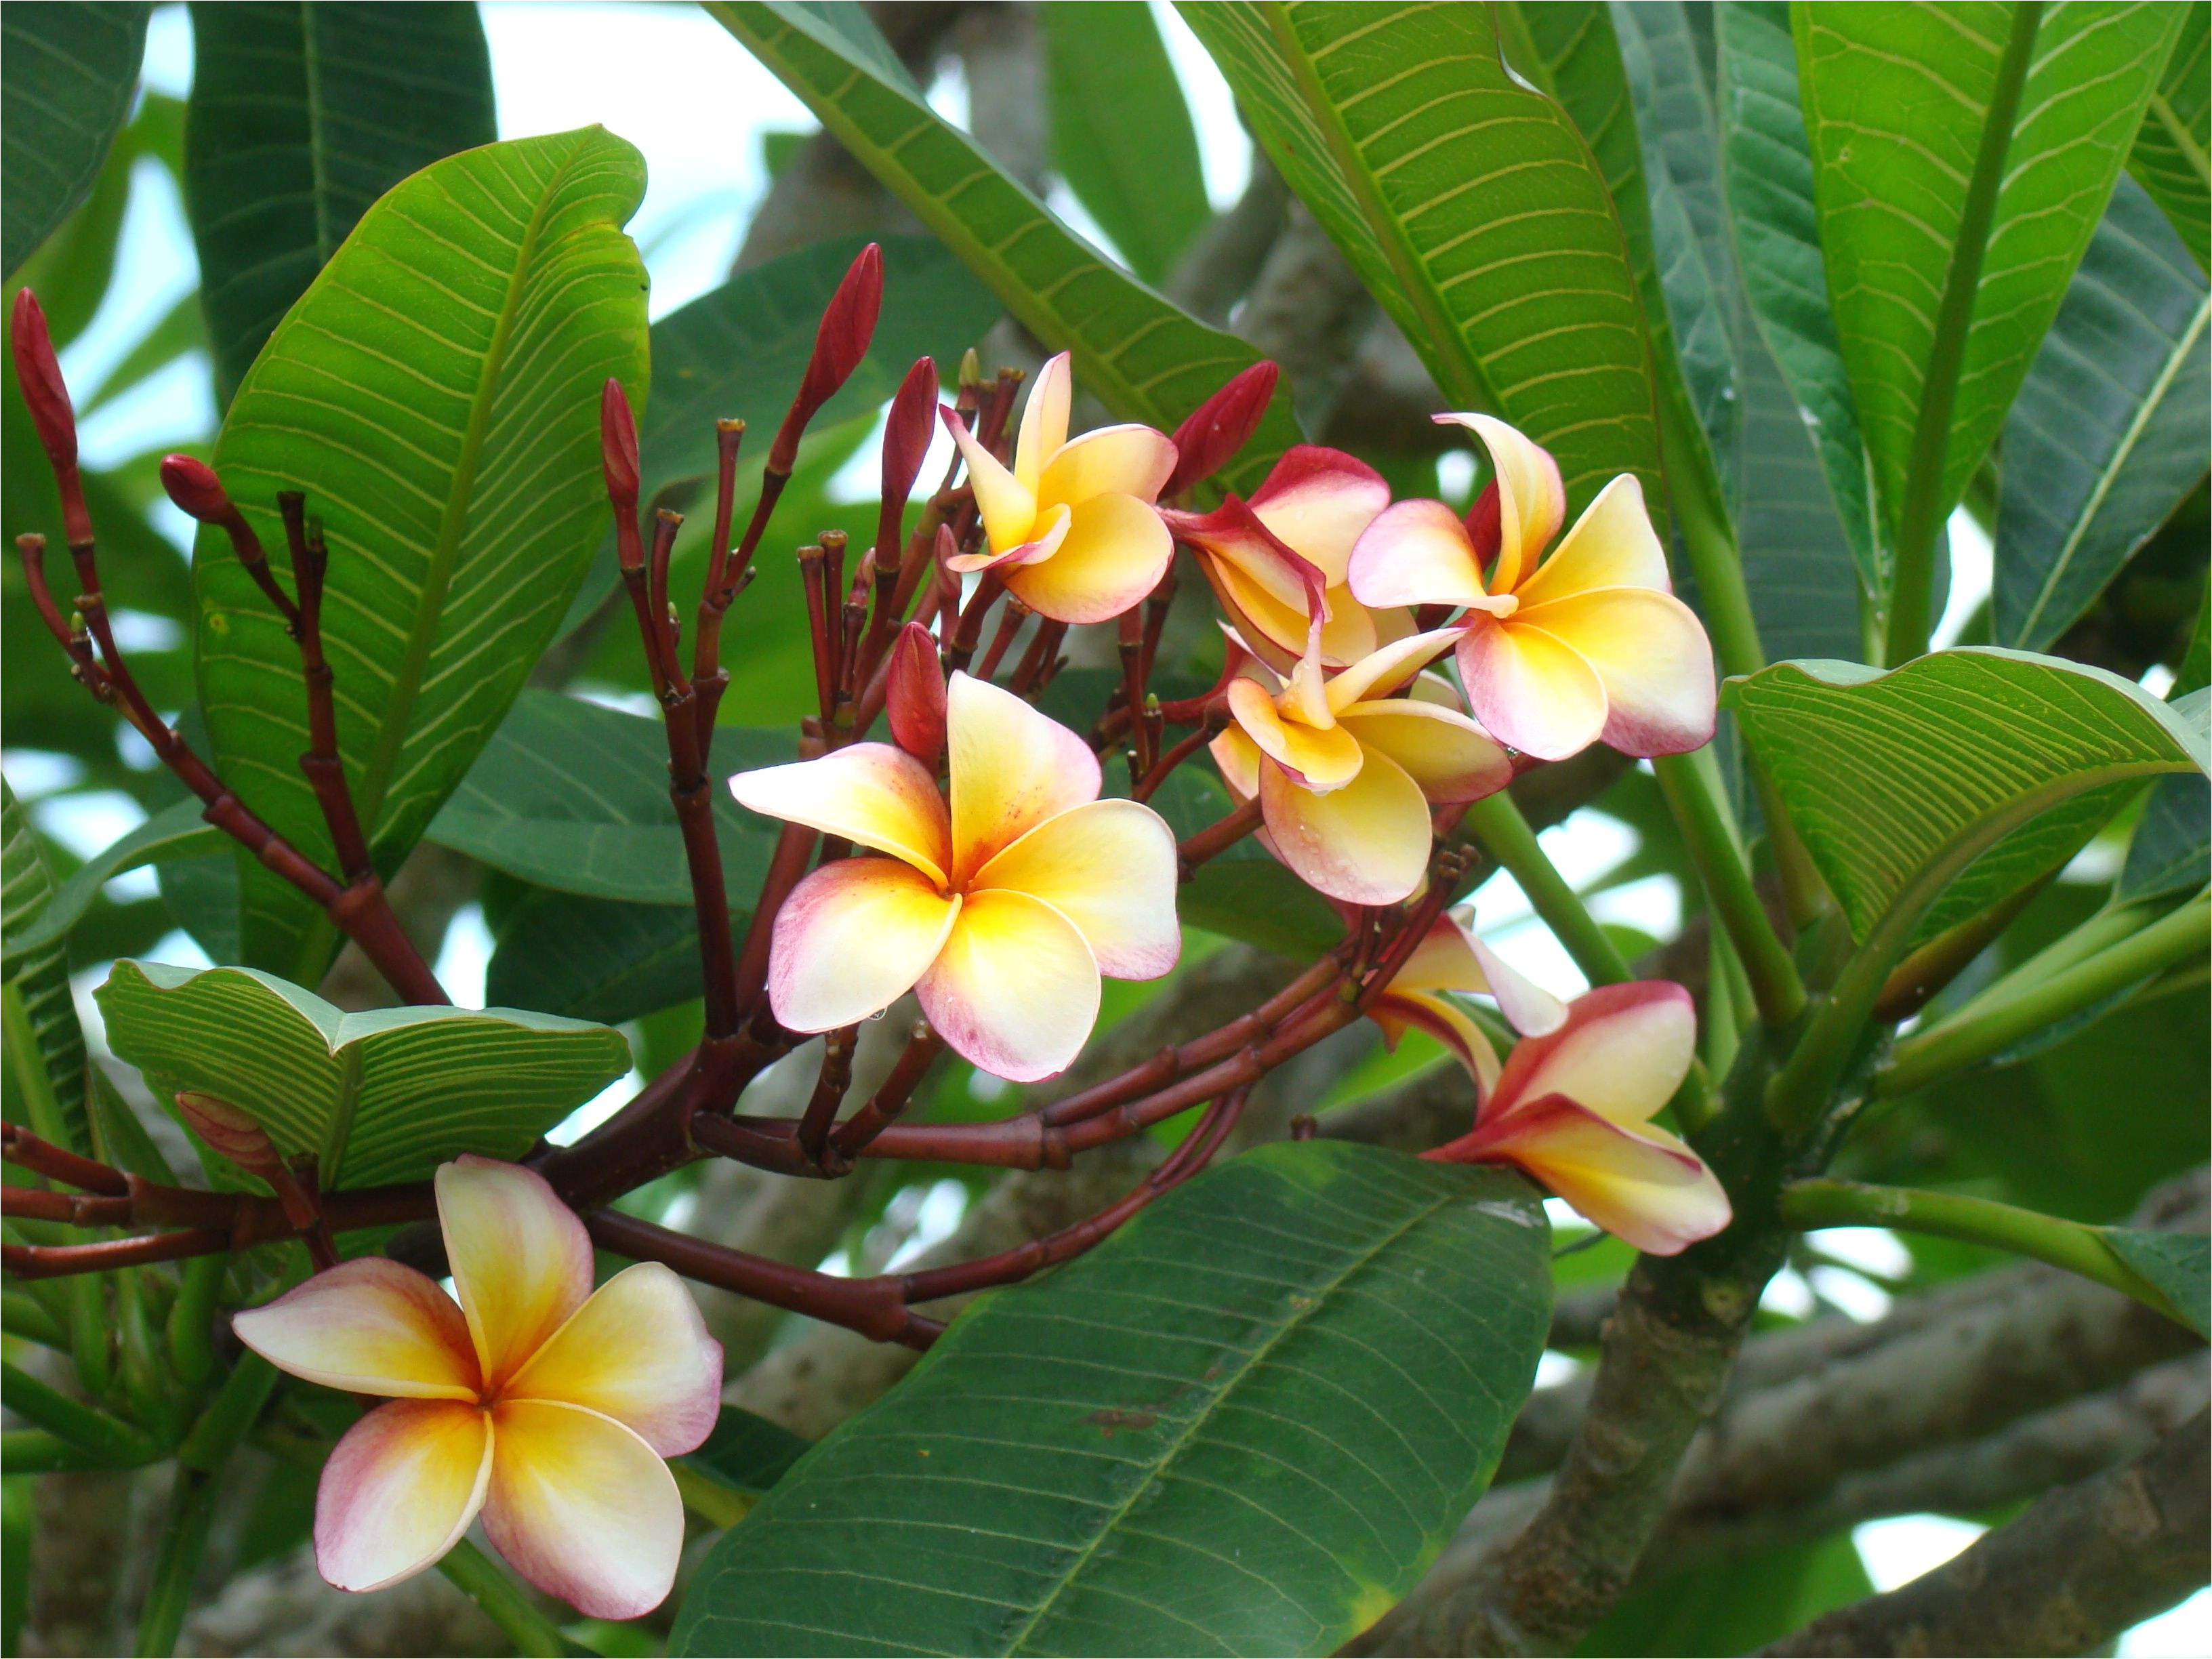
(599, 959)
(39, 971)
(64, 90)
(176, 831)
(2169, 157)
(1146, 359)
(1243, 1425)
(1468, 203)
(2112, 426)
(2172, 851)
(303, 114)
(2178, 1264)
(378, 1097)
(436, 393)
(1884, 774)
(1937, 313)
(1797, 558)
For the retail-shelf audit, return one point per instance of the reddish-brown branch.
(28, 1152)
(1217, 837)
(1012, 614)
(725, 581)
(854, 1135)
(831, 1083)
(322, 766)
(1175, 757)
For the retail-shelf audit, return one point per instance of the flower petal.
(1416, 553)
(852, 938)
(1530, 690)
(1444, 1020)
(1528, 1008)
(520, 1259)
(1044, 420)
(1113, 460)
(1384, 670)
(399, 1489)
(1532, 502)
(1622, 1051)
(638, 1352)
(1046, 534)
(1114, 553)
(368, 1326)
(870, 793)
(1611, 545)
(1238, 759)
(1008, 505)
(1015, 989)
(1319, 758)
(1445, 960)
(1109, 867)
(1451, 757)
(1365, 843)
(1651, 654)
(583, 1509)
(1318, 499)
(1011, 768)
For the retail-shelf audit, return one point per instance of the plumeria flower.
(1310, 512)
(1000, 910)
(1345, 772)
(1072, 529)
(544, 1405)
(1573, 1103)
(1589, 643)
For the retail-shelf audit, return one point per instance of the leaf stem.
(1692, 785)
(106, 1437)
(1709, 539)
(168, 1595)
(479, 1578)
(1496, 825)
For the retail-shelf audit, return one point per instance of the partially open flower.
(1000, 910)
(1345, 773)
(1589, 643)
(1072, 529)
(544, 1405)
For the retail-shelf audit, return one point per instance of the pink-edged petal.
(1011, 768)
(1318, 758)
(1109, 867)
(1113, 460)
(1528, 1008)
(1611, 545)
(1383, 670)
(1008, 505)
(1416, 552)
(1365, 843)
(1046, 534)
(369, 1326)
(1234, 535)
(583, 1508)
(1532, 502)
(1318, 499)
(1238, 759)
(1015, 989)
(1272, 632)
(1650, 653)
(869, 792)
(1530, 690)
(1622, 1051)
(1447, 1021)
(521, 1261)
(852, 939)
(1114, 553)
(1044, 420)
(1451, 757)
(638, 1352)
(1445, 960)
(399, 1489)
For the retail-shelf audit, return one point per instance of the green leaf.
(303, 114)
(1146, 359)
(1734, 1605)
(1885, 773)
(600, 959)
(176, 831)
(572, 796)
(1797, 557)
(39, 971)
(1947, 255)
(2168, 158)
(1121, 136)
(1245, 1423)
(377, 1097)
(746, 1452)
(2172, 852)
(1470, 206)
(69, 72)
(2110, 428)
(1768, 174)
(2178, 1264)
(436, 394)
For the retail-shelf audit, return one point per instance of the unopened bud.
(193, 486)
(38, 373)
(915, 698)
(848, 324)
(1485, 527)
(618, 446)
(230, 1132)
(971, 370)
(1221, 426)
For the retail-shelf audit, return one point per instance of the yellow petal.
(870, 793)
(398, 1490)
(1530, 689)
(1007, 504)
(1445, 960)
(1651, 654)
(1383, 670)
(1113, 460)
(1044, 420)
(1641, 1185)
(1318, 500)
(1444, 1020)
(583, 1509)
(1109, 867)
(1451, 757)
(1045, 536)
(368, 1326)
(1532, 502)
(1416, 553)
(1011, 768)
(520, 1260)
(1114, 553)
(1319, 758)
(638, 1352)
(1611, 545)
(1622, 1052)
(1238, 758)
(852, 939)
(1016, 989)
(1365, 843)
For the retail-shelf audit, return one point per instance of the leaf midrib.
(311, 74)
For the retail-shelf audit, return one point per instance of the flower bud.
(907, 433)
(619, 460)
(233, 1133)
(915, 697)
(38, 373)
(193, 486)
(1221, 426)
(848, 324)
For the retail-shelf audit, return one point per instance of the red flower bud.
(38, 373)
(619, 460)
(907, 433)
(916, 697)
(1219, 426)
(193, 486)
(847, 325)
(1485, 528)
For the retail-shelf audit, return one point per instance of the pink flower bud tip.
(618, 447)
(193, 486)
(1221, 426)
(916, 699)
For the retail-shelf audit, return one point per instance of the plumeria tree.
(1126, 822)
